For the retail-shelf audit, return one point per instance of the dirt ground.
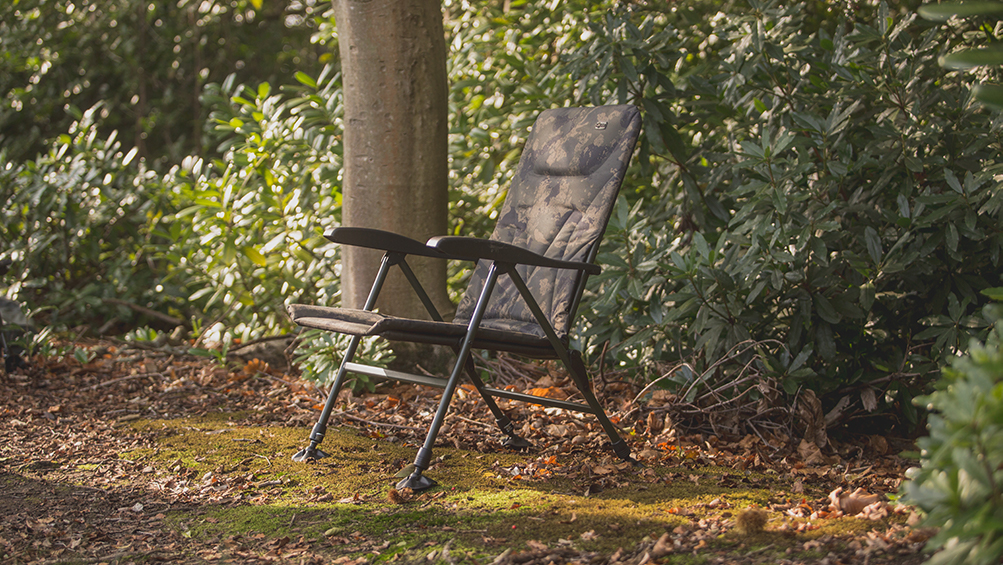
(96, 467)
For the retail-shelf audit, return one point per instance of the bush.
(247, 236)
(834, 191)
(808, 181)
(147, 62)
(76, 222)
(959, 484)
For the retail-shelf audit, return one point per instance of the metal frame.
(565, 130)
(464, 363)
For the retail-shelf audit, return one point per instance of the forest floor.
(111, 453)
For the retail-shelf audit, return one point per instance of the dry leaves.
(81, 415)
(858, 503)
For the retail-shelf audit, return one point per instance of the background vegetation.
(814, 204)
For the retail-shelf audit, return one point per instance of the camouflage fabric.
(558, 206)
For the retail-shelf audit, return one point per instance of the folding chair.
(526, 286)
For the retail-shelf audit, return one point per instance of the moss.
(481, 513)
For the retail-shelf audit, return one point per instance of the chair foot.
(622, 450)
(515, 442)
(417, 482)
(309, 453)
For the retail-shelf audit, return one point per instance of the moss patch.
(255, 491)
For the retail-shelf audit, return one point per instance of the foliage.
(965, 59)
(959, 484)
(247, 233)
(319, 355)
(76, 220)
(501, 65)
(147, 62)
(836, 193)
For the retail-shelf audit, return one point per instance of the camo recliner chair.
(528, 281)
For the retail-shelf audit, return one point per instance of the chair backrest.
(558, 205)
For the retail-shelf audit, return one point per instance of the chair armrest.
(384, 241)
(473, 249)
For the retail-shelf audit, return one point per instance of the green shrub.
(959, 484)
(834, 191)
(247, 236)
(76, 220)
(147, 62)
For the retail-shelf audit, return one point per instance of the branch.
(145, 311)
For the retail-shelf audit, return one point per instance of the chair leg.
(580, 377)
(573, 361)
(320, 428)
(421, 461)
(513, 440)
(416, 481)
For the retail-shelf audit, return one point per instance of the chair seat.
(491, 334)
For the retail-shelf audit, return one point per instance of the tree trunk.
(393, 57)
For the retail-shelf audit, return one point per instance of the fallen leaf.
(395, 496)
(878, 444)
(810, 453)
(811, 417)
(852, 503)
(557, 430)
(548, 392)
(656, 423)
(876, 511)
(354, 499)
(869, 399)
(662, 547)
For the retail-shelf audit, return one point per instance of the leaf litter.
(74, 490)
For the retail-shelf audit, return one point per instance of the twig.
(727, 357)
(733, 382)
(120, 555)
(267, 377)
(198, 340)
(144, 310)
(265, 339)
(120, 379)
(755, 430)
(83, 330)
(372, 423)
(382, 479)
(469, 421)
(668, 374)
(602, 365)
(760, 550)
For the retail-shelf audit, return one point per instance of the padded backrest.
(558, 205)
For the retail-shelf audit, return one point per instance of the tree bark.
(393, 57)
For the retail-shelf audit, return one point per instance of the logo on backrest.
(601, 125)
